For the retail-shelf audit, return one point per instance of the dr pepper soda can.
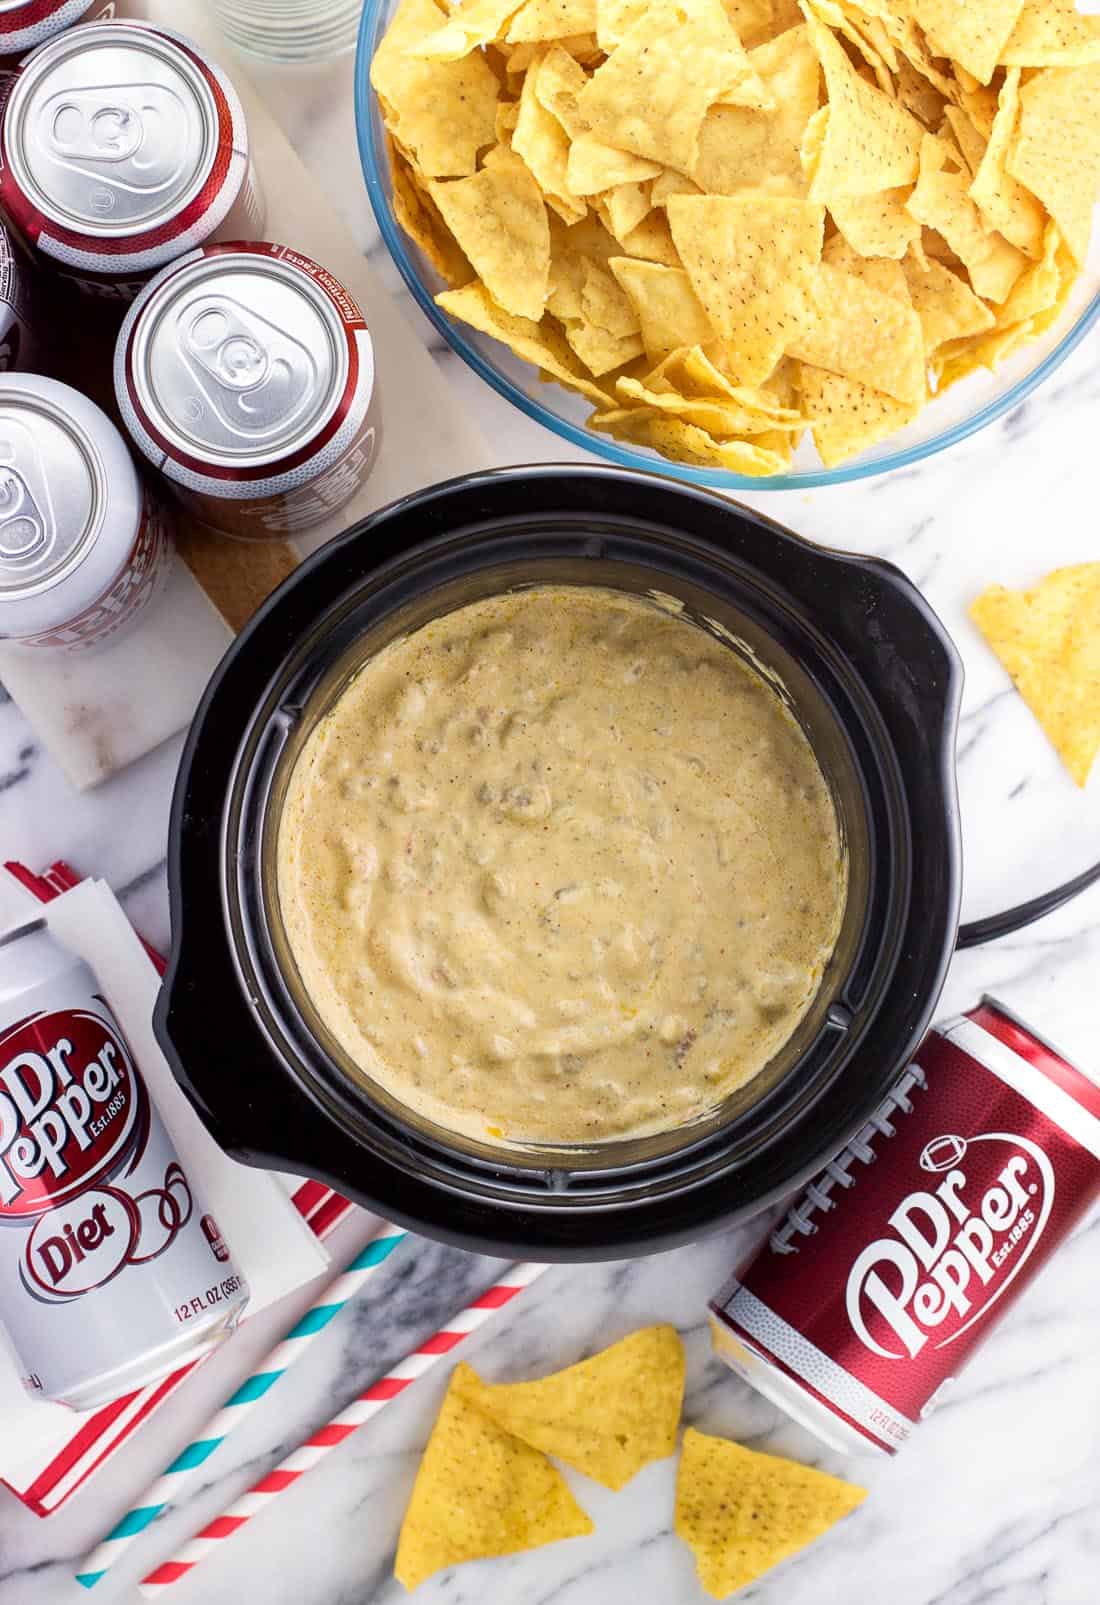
(245, 373)
(84, 542)
(26, 24)
(112, 1273)
(122, 148)
(860, 1310)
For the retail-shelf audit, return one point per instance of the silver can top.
(52, 493)
(111, 130)
(238, 359)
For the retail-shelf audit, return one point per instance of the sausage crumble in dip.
(559, 867)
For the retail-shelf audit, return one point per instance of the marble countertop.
(997, 1502)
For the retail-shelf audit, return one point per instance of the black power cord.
(1015, 919)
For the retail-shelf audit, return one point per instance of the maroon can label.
(893, 1266)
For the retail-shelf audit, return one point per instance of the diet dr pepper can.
(245, 373)
(25, 24)
(865, 1303)
(122, 148)
(111, 1273)
(84, 544)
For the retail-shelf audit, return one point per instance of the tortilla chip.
(419, 216)
(848, 417)
(750, 261)
(540, 343)
(844, 22)
(947, 308)
(614, 20)
(858, 331)
(740, 148)
(668, 310)
(604, 302)
(499, 220)
(595, 167)
(1056, 154)
(652, 93)
(687, 385)
(685, 443)
(877, 225)
(1053, 33)
(545, 20)
(626, 206)
(566, 278)
(971, 141)
(871, 143)
(470, 25)
(600, 350)
(443, 112)
(741, 1513)
(543, 144)
(1048, 639)
(973, 34)
(670, 182)
(913, 91)
(478, 1493)
(942, 201)
(607, 1416)
(558, 82)
(1004, 204)
(652, 241)
(880, 273)
(1038, 289)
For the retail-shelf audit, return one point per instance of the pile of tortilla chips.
(486, 1487)
(725, 222)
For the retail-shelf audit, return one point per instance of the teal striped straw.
(275, 1363)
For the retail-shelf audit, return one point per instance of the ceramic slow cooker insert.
(867, 670)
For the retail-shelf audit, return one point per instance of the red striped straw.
(315, 1448)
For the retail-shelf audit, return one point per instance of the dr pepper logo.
(953, 1246)
(72, 1111)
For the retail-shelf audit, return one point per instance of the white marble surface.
(998, 1500)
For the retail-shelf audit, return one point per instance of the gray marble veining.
(997, 1502)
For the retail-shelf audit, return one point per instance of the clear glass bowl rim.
(372, 156)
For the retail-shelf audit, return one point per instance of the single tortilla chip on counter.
(607, 1416)
(443, 112)
(1056, 153)
(751, 261)
(499, 220)
(1048, 638)
(741, 1512)
(480, 1492)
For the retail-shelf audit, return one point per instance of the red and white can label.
(890, 1270)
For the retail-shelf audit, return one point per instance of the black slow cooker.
(867, 669)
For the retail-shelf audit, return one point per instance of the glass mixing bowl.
(967, 407)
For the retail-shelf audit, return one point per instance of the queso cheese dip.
(559, 867)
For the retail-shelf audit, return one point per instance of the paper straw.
(326, 1438)
(278, 1360)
